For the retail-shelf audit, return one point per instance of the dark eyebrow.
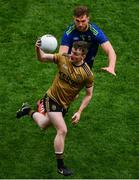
(75, 52)
(80, 20)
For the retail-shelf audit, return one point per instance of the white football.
(48, 43)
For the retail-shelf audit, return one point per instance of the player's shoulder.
(94, 28)
(70, 29)
(87, 69)
(60, 57)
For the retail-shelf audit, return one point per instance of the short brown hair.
(81, 45)
(80, 11)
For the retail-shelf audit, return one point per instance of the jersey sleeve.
(57, 58)
(65, 39)
(67, 36)
(100, 36)
(90, 81)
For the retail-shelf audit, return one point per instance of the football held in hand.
(48, 43)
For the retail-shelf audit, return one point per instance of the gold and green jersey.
(69, 80)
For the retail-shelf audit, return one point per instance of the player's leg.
(58, 122)
(42, 120)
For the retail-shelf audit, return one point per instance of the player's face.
(81, 22)
(77, 56)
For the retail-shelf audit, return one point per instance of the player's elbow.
(41, 59)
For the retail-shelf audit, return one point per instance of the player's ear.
(84, 56)
(74, 18)
(88, 18)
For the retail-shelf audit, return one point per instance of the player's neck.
(86, 28)
(78, 63)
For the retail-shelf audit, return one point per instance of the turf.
(105, 142)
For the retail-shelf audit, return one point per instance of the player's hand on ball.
(76, 118)
(38, 43)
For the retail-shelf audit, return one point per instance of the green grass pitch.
(105, 143)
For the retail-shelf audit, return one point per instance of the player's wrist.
(111, 66)
(79, 111)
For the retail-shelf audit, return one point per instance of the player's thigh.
(57, 120)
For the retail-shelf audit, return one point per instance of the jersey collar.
(78, 65)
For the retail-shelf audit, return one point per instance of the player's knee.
(43, 123)
(42, 126)
(62, 131)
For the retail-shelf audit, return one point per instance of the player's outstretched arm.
(108, 49)
(43, 57)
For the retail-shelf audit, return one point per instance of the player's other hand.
(76, 118)
(109, 70)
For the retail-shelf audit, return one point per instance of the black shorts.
(52, 106)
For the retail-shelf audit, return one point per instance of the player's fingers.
(73, 117)
(113, 73)
(104, 68)
(109, 71)
(38, 43)
(74, 122)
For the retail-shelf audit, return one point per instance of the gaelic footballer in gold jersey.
(69, 81)
(73, 75)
